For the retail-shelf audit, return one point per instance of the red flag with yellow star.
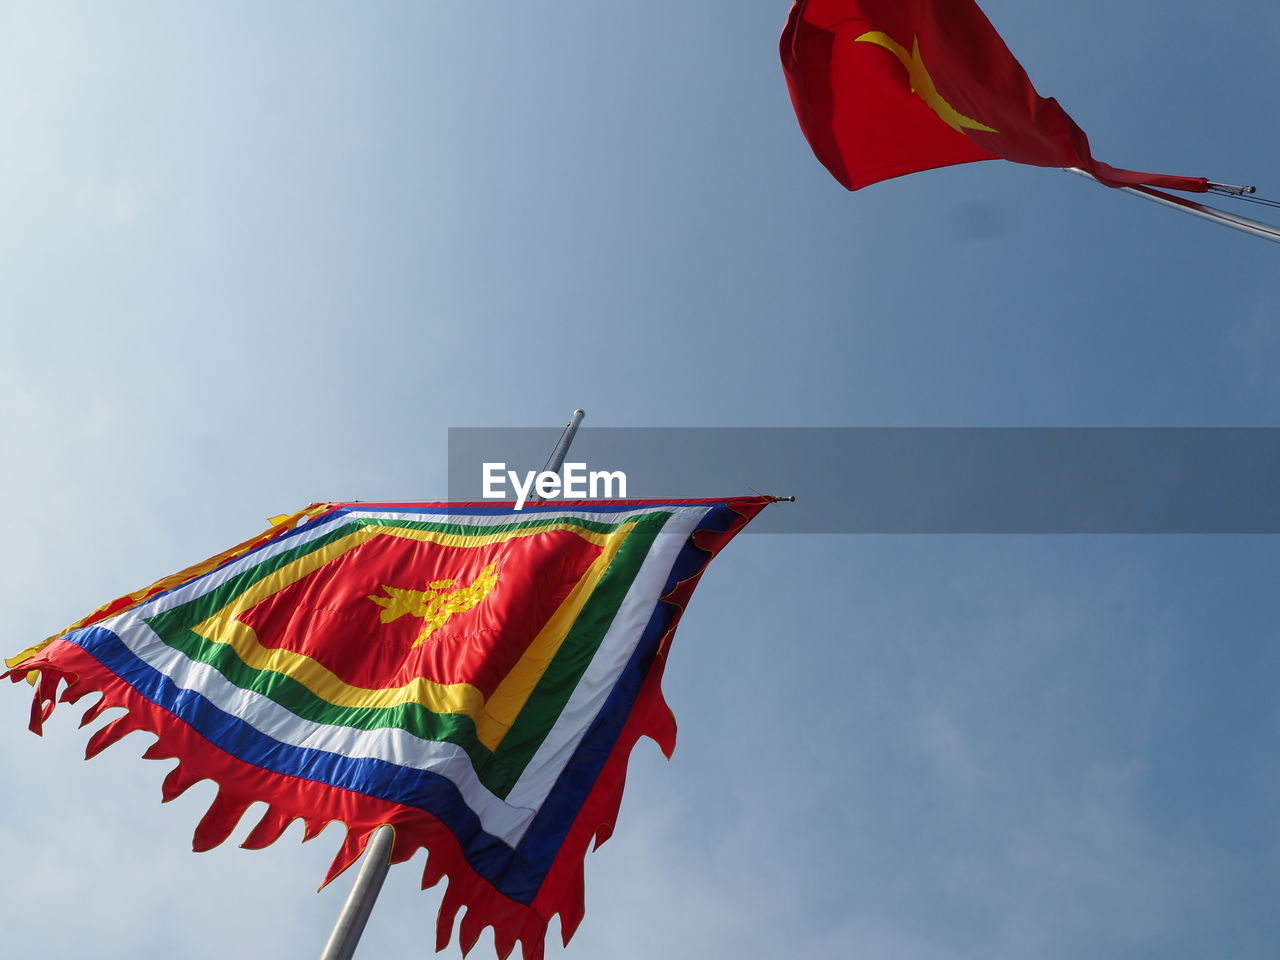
(884, 88)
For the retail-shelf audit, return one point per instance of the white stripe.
(391, 744)
(507, 819)
(318, 528)
(615, 651)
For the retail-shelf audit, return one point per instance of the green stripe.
(468, 530)
(585, 636)
(210, 603)
(498, 771)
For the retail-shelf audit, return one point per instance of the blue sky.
(260, 255)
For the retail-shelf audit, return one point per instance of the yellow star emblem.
(921, 83)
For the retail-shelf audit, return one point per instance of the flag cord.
(1264, 201)
(1254, 227)
(1241, 193)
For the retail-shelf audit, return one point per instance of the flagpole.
(364, 892)
(377, 855)
(1234, 221)
(556, 460)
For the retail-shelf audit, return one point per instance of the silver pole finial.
(556, 461)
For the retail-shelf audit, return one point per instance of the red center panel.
(328, 615)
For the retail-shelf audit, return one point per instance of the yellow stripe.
(513, 692)
(285, 521)
(492, 720)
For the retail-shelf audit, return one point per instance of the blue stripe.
(488, 855)
(506, 507)
(515, 873)
(556, 815)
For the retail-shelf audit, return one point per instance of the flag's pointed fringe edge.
(291, 798)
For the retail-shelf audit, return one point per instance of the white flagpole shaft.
(1235, 222)
(562, 448)
(377, 854)
(355, 912)
(556, 460)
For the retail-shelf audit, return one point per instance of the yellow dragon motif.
(438, 604)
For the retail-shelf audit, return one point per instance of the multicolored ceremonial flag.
(884, 88)
(472, 675)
